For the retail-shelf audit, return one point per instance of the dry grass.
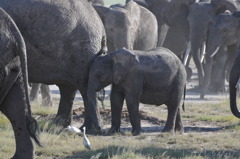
(219, 143)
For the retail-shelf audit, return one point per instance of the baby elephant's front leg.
(117, 99)
(133, 110)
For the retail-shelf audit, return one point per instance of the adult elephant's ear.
(123, 61)
(222, 5)
(102, 11)
(175, 8)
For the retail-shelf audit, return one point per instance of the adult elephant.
(14, 101)
(130, 26)
(197, 18)
(62, 38)
(176, 33)
(224, 33)
(233, 81)
(156, 7)
(45, 92)
(156, 76)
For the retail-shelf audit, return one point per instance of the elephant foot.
(167, 129)
(90, 129)
(61, 121)
(179, 129)
(136, 132)
(112, 131)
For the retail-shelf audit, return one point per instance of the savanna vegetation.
(211, 131)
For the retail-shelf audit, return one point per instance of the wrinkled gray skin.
(45, 93)
(130, 26)
(233, 81)
(156, 7)
(62, 38)
(153, 77)
(218, 72)
(96, 2)
(14, 101)
(176, 34)
(225, 32)
(196, 19)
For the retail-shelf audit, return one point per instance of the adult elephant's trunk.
(196, 43)
(92, 107)
(234, 77)
(212, 49)
(207, 75)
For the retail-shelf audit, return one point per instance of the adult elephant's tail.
(31, 123)
(104, 49)
(233, 81)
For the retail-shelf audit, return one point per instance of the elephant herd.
(142, 48)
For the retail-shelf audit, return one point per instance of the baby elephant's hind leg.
(178, 123)
(174, 122)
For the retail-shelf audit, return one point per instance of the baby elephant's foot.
(113, 130)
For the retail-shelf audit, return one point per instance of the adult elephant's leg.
(117, 99)
(46, 95)
(64, 114)
(14, 107)
(34, 91)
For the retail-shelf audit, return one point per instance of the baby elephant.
(153, 77)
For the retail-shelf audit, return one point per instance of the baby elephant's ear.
(123, 62)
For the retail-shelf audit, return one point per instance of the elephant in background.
(14, 100)
(196, 18)
(154, 77)
(130, 26)
(156, 7)
(233, 82)
(62, 38)
(225, 32)
(45, 92)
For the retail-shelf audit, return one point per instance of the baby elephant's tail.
(184, 96)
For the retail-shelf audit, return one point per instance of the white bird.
(73, 129)
(86, 142)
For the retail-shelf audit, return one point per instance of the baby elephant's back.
(160, 61)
